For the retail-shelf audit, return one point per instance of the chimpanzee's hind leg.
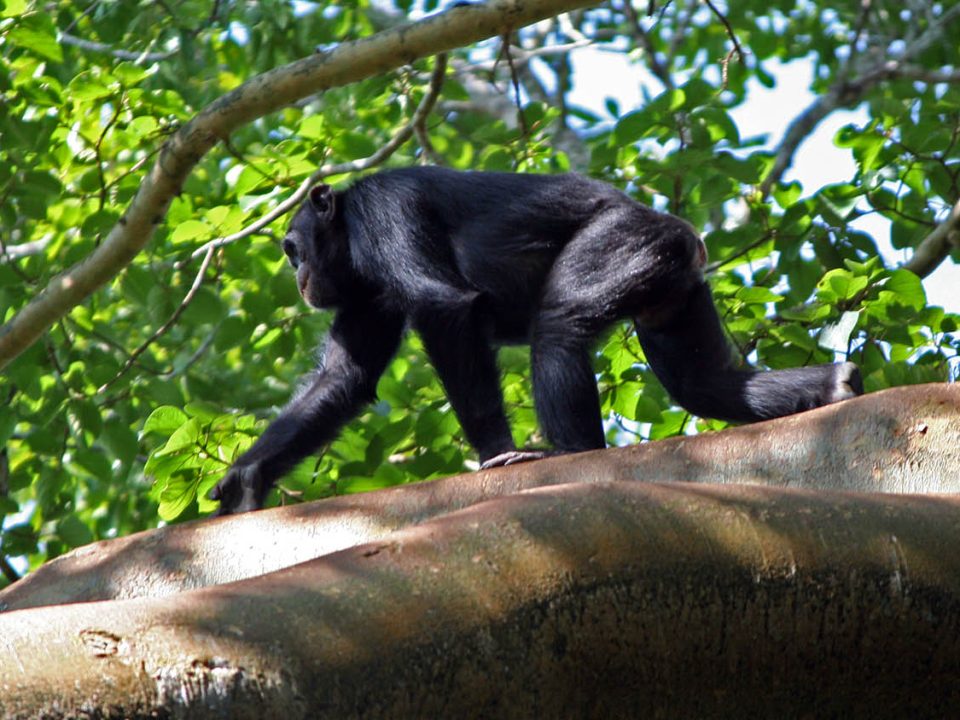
(691, 357)
(633, 262)
(626, 258)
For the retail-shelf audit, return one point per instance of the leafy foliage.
(134, 405)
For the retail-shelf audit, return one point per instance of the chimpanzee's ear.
(321, 198)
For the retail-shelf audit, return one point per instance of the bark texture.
(903, 440)
(605, 600)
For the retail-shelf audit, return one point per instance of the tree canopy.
(148, 377)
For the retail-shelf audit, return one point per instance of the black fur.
(472, 260)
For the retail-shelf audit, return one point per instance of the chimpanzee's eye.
(290, 250)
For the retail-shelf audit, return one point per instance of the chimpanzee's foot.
(513, 457)
(848, 383)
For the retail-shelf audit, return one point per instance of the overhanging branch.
(257, 97)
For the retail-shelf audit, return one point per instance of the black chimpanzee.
(471, 260)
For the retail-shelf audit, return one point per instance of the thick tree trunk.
(901, 440)
(595, 598)
(607, 600)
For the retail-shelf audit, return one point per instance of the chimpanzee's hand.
(242, 489)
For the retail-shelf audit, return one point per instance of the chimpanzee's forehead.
(303, 220)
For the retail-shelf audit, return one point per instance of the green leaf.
(672, 423)
(164, 420)
(143, 126)
(36, 32)
(73, 532)
(99, 223)
(205, 308)
(353, 145)
(19, 540)
(746, 171)
(840, 285)
(786, 194)
(268, 338)
(185, 436)
(226, 219)
(866, 145)
(625, 399)
(191, 230)
(7, 507)
(757, 295)
(907, 288)
(233, 331)
(86, 87)
(177, 495)
(203, 411)
(8, 422)
(837, 202)
(129, 73)
(631, 127)
(647, 410)
(121, 441)
(13, 8)
(313, 128)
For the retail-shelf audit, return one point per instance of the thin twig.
(162, 330)
(515, 80)
(137, 57)
(730, 33)
(661, 71)
(429, 155)
(382, 153)
(522, 56)
(745, 250)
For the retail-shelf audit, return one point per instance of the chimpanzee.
(471, 260)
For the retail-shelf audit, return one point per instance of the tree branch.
(849, 88)
(9, 253)
(935, 247)
(137, 57)
(798, 130)
(853, 446)
(259, 96)
(570, 601)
